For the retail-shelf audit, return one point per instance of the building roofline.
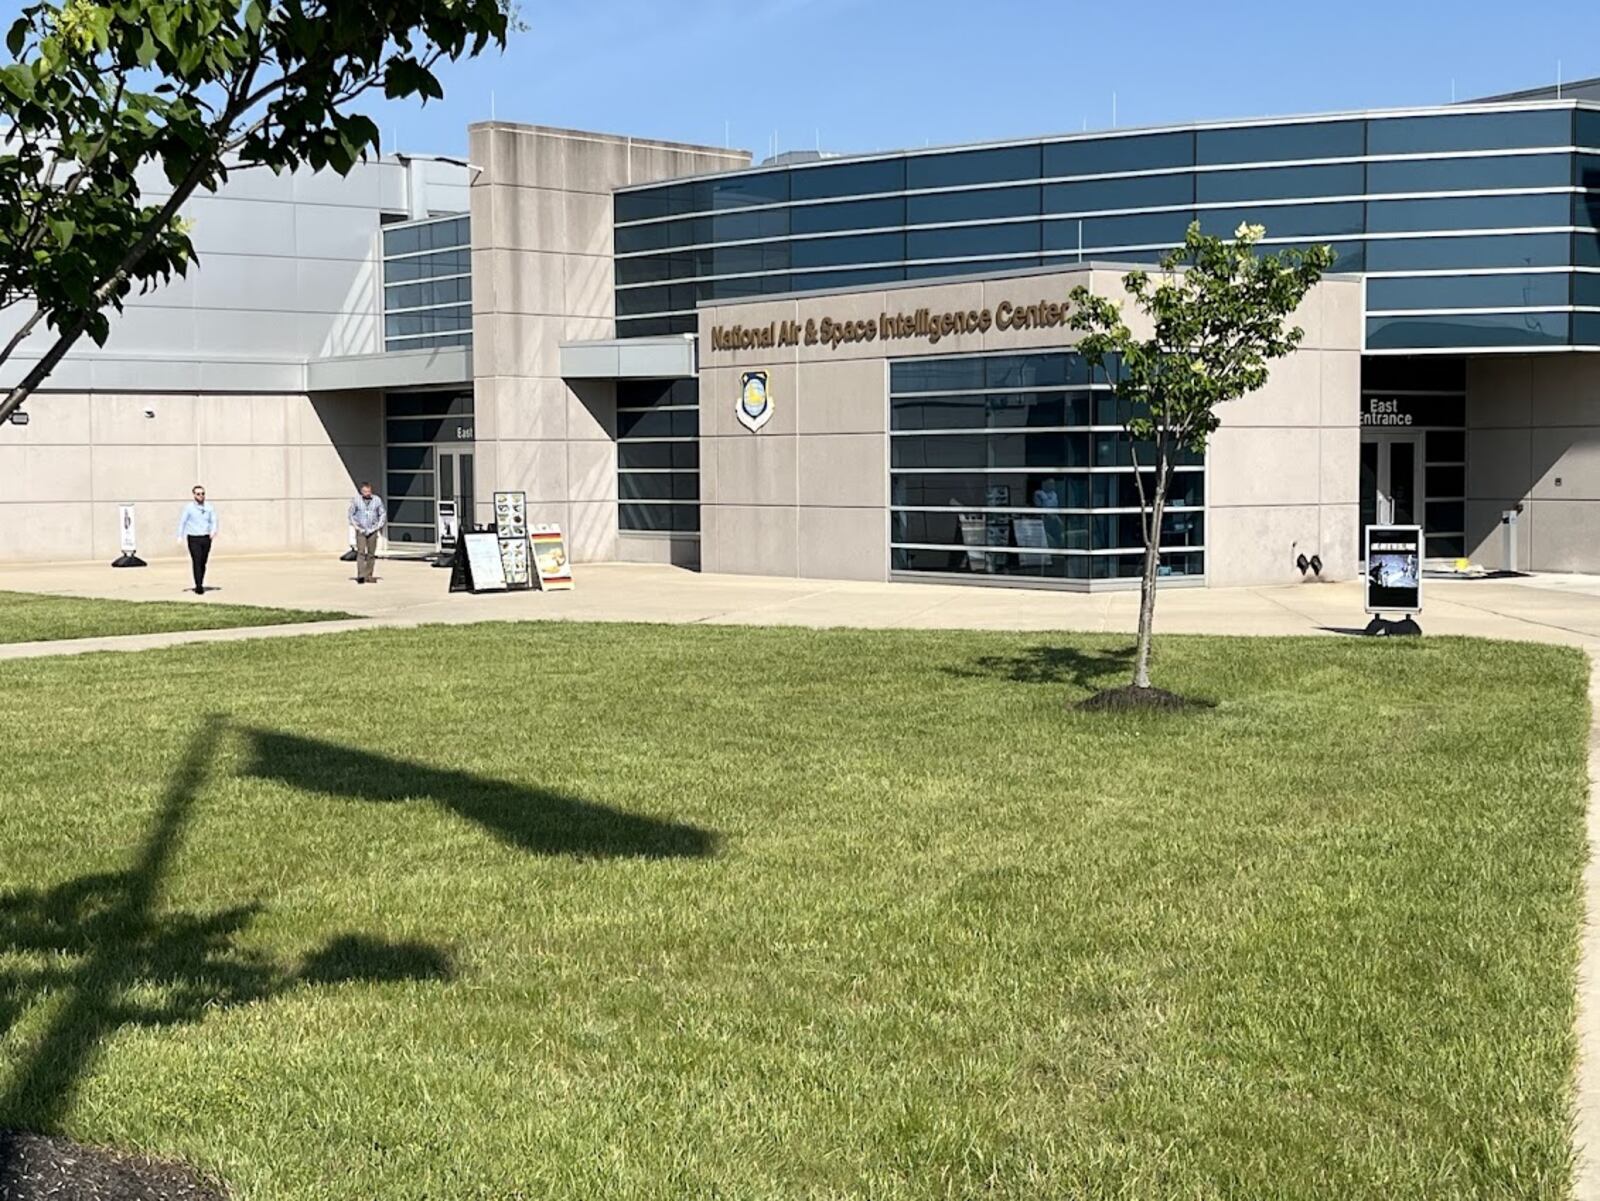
(1545, 92)
(591, 135)
(1136, 131)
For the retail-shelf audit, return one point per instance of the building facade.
(553, 316)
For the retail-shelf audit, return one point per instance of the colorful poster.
(483, 563)
(1394, 569)
(550, 558)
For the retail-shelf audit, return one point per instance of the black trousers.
(199, 552)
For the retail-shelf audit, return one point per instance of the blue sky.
(861, 75)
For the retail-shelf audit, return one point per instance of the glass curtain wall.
(1017, 466)
(658, 456)
(427, 284)
(1477, 229)
(416, 425)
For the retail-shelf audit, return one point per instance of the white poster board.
(483, 563)
(448, 528)
(550, 558)
(126, 530)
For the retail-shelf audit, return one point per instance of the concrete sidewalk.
(1549, 609)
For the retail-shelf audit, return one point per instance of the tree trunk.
(1147, 581)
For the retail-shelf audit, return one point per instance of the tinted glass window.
(739, 260)
(1150, 228)
(1040, 490)
(1428, 254)
(658, 423)
(1272, 143)
(1586, 250)
(658, 455)
(971, 266)
(653, 393)
(1470, 174)
(410, 458)
(739, 227)
(632, 302)
(428, 321)
(1276, 183)
(1136, 152)
(1586, 209)
(653, 327)
(638, 206)
(1586, 289)
(1348, 256)
(1469, 212)
(936, 375)
(1586, 329)
(659, 518)
(444, 291)
(972, 166)
(803, 281)
(972, 206)
(849, 179)
(1034, 370)
(862, 248)
(1466, 292)
(739, 191)
(855, 214)
(658, 485)
(1469, 131)
(1003, 410)
(648, 269)
(1146, 191)
(991, 450)
(1477, 329)
(968, 240)
(1287, 221)
(428, 404)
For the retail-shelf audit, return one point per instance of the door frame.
(455, 450)
(1385, 440)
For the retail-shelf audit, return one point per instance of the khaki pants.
(366, 550)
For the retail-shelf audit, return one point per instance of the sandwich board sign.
(550, 558)
(1394, 569)
(485, 572)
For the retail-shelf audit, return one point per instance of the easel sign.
(550, 558)
(1394, 578)
(485, 573)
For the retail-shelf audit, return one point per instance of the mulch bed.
(34, 1167)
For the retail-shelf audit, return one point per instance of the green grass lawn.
(567, 911)
(35, 617)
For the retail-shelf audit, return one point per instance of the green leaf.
(63, 229)
(255, 16)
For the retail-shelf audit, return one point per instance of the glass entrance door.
(454, 481)
(1391, 480)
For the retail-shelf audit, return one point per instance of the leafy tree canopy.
(114, 112)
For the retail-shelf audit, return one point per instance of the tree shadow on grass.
(108, 955)
(535, 820)
(1089, 670)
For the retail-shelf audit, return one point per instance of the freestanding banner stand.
(511, 528)
(127, 540)
(1394, 578)
(448, 531)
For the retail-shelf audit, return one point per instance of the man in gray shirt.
(368, 517)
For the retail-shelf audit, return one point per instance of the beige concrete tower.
(542, 275)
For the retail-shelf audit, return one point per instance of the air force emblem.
(754, 409)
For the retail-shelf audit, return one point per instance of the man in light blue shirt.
(368, 517)
(198, 524)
